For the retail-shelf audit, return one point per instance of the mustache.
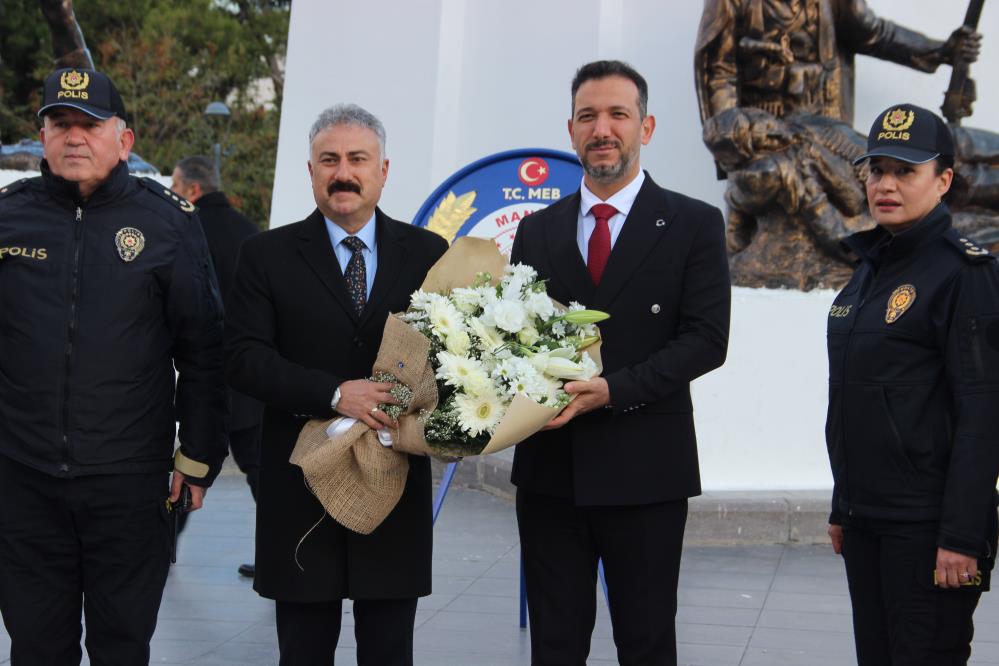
(342, 186)
(603, 143)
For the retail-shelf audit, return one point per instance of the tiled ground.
(752, 606)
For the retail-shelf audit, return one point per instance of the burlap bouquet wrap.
(357, 479)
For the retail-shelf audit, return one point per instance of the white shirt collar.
(622, 200)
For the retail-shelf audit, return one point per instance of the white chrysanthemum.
(489, 338)
(522, 271)
(467, 300)
(478, 413)
(538, 304)
(487, 295)
(445, 320)
(528, 335)
(458, 343)
(553, 393)
(462, 372)
(505, 315)
(518, 375)
(421, 300)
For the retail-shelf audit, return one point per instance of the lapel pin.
(655, 309)
(660, 222)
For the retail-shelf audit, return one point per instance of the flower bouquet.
(478, 360)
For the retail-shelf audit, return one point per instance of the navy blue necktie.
(356, 274)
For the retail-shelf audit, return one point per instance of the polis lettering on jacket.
(39, 253)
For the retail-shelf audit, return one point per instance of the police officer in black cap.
(106, 286)
(913, 422)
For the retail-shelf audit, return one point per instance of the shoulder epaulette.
(967, 248)
(16, 186)
(161, 190)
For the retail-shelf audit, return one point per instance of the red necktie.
(600, 241)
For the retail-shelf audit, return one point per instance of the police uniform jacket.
(100, 300)
(913, 422)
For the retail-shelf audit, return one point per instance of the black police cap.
(908, 133)
(82, 89)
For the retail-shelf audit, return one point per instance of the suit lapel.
(566, 260)
(391, 262)
(647, 224)
(315, 246)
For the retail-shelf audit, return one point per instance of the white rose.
(507, 315)
(540, 305)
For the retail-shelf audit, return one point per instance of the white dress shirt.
(622, 200)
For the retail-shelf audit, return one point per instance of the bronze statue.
(70, 50)
(775, 88)
(67, 39)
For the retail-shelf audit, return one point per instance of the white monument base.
(761, 417)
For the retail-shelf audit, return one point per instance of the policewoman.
(106, 286)
(913, 422)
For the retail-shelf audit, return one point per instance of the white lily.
(564, 368)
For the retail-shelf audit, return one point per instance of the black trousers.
(640, 547)
(900, 618)
(99, 545)
(383, 629)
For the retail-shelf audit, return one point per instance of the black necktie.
(356, 275)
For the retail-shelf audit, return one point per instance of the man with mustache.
(303, 326)
(610, 478)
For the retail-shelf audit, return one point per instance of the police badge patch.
(129, 242)
(900, 300)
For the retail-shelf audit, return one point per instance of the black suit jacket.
(225, 230)
(666, 287)
(292, 336)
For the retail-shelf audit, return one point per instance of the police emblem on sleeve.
(900, 300)
(129, 242)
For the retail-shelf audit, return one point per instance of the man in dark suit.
(610, 478)
(195, 179)
(303, 327)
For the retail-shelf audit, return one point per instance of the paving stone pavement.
(738, 606)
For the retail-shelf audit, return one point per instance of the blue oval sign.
(489, 197)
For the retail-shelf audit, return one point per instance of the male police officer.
(105, 285)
